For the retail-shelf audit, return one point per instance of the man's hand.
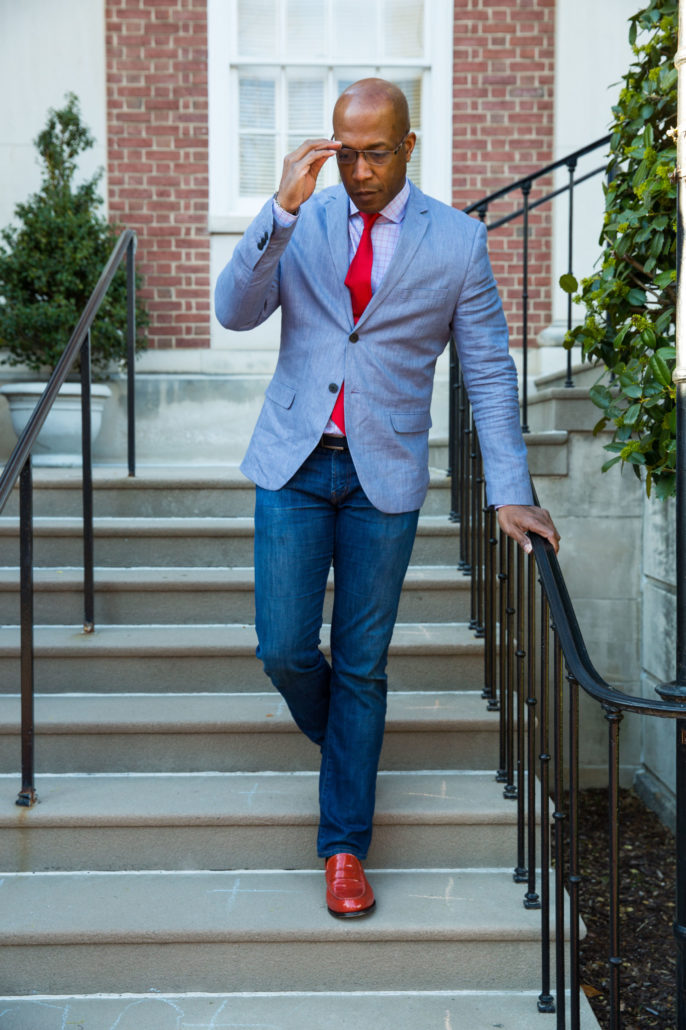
(300, 171)
(517, 519)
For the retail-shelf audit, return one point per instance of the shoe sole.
(352, 915)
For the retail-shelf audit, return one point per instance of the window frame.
(230, 213)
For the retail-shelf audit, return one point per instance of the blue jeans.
(322, 517)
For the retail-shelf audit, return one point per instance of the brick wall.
(158, 157)
(504, 53)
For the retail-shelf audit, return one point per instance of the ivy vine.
(630, 300)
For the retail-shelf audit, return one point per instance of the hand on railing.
(517, 519)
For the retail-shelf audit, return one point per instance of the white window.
(277, 66)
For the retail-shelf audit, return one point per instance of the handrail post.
(526, 190)
(131, 353)
(453, 435)
(87, 492)
(571, 166)
(27, 795)
(614, 718)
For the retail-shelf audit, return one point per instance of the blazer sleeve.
(480, 333)
(247, 290)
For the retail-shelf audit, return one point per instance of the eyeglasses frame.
(387, 154)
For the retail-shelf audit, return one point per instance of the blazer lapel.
(415, 224)
(337, 212)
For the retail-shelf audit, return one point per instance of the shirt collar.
(394, 211)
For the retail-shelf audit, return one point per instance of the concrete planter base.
(59, 441)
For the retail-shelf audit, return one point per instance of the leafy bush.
(630, 300)
(52, 258)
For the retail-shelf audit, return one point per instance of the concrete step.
(318, 1010)
(246, 732)
(162, 491)
(247, 821)
(248, 930)
(584, 374)
(199, 595)
(127, 542)
(219, 658)
(171, 492)
(562, 408)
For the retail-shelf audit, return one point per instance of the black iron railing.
(535, 665)
(18, 468)
(525, 186)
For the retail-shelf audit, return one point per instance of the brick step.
(301, 1010)
(247, 821)
(219, 658)
(199, 595)
(127, 542)
(246, 732)
(244, 930)
(170, 491)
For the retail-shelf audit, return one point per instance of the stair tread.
(242, 712)
(162, 477)
(252, 906)
(300, 1010)
(161, 577)
(179, 525)
(230, 799)
(218, 639)
(166, 477)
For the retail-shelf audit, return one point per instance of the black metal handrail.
(19, 468)
(524, 185)
(535, 665)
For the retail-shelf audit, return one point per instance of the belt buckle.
(327, 442)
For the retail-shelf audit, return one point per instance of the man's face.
(363, 126)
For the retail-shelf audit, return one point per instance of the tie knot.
(369, 219)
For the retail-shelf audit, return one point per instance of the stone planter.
(59, 441)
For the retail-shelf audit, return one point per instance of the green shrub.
(630, 300)
(51, 259)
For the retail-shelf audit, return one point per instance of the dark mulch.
(647, 946)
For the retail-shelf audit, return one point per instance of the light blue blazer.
(439, 283)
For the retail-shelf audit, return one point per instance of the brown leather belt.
(333, 442)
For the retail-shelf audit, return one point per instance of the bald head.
(377, 95)
(371, 117)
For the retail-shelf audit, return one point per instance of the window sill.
(228, 224)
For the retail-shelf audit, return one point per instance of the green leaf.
(665, 278)
(600, 395)
(660, 370)
(665, 487)
(631, 414)
(568, 283)
(633, 390)
(636, 297)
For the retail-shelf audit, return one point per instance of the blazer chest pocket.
(280, 393)
(411, 421)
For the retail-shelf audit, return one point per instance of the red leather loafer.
(348, 892)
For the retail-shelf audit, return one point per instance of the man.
(372, 278)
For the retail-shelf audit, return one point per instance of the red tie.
(359, 282)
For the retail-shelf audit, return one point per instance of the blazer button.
(353, 337)
(333, 388)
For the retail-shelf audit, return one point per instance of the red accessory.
(347, 889)
(359, 282)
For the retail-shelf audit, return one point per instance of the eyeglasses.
(347, 156)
